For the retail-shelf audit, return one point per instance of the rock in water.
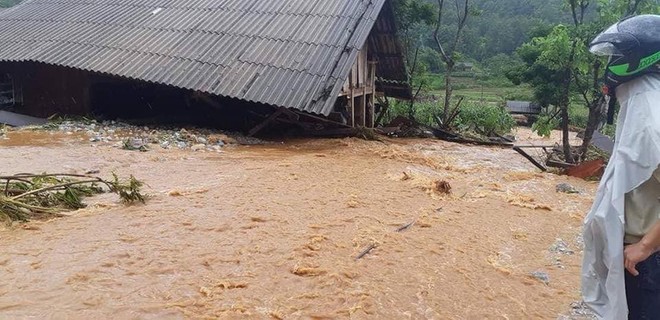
(566, 188)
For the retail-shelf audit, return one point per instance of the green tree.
(414, 18)
(449, 55)
(558, 65)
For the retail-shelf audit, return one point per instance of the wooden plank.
(559, 164)
(345, 90)
(372, 85)
(351, 104)
(528, 157)
(354, 72)
(387, 130)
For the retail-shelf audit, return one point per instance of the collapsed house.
(328, 60)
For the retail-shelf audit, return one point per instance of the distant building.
(523, 107)
(464, 66)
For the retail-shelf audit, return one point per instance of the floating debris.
(26, 196)
(541, 276)
(141, 138)
(566, 188)
(442, 187)
(579, 311)
(366, 251)
(560, 246)
(405, 226)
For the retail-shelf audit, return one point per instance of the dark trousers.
(643, 291)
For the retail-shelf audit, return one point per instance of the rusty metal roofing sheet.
(289, 53)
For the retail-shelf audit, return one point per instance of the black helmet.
(633, 47)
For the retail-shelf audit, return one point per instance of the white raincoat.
(636, 155)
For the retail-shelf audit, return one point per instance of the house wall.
(359, 90)
(43, 90)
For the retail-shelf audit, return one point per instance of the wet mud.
(273, 232)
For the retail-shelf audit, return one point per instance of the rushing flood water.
(273, 232)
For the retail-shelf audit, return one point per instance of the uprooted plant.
(25, 196)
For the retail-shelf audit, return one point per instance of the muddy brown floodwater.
(273, 232)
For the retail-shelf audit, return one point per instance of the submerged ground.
(273, 231)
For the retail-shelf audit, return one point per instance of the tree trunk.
(448, 93)
(565, 134)
(565, 101)
(592, 126)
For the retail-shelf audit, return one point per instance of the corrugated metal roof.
(289, 53)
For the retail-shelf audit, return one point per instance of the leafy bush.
(578, 115)
(518, 95)
(544, 125)
(609, 130)
(424, 111)
(459, 86)
(436, 82)
(484, 119)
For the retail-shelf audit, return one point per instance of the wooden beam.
(324, 120)
(268, 120)
(528, 157)
(206, 99)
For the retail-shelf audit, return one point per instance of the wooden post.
(372, 84)
(363, 111)
(351, 104)
(372, 111)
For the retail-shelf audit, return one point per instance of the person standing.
(621, 266)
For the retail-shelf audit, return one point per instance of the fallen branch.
(405, 226)
(532, 160)
(55, 187)
(27, 194)
(365, 251)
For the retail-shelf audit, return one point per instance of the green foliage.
(26, 196)
(436, 81)
(544, 125)
(410, 12)
(610, 11)
(504, 25)
(578, 116)
(498, 65)
(431, 59)
(128, 191)
(545, 62)
(481, 118)
(519, 94)
(484, 119)
(609, 130)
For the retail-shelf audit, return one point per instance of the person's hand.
(634, 254)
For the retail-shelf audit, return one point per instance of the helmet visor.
(605, 49)
(603, 44)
